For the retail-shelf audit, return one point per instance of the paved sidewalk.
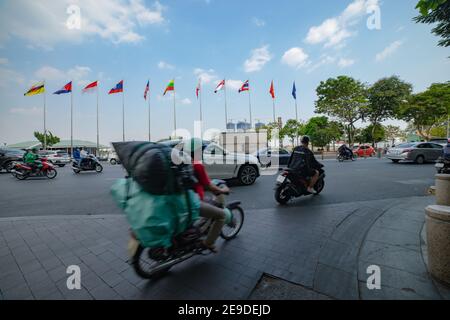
(325, 249)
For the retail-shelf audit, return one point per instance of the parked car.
(222, 164)
(442, 141)
(57, 157)
(364, 151)
(8, 156)
(418, 152)
(267, 155)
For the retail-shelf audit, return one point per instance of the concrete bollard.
(443, 189)
(438, 241)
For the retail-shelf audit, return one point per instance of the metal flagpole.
(71, 122)
(149, 116)
(250, 105)
(200, 102)
(174, 111)
(273, 101)
(296, 110)
(98, 135)
(45, 122)
(226, 111)
(123, 115)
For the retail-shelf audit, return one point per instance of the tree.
(321, 131)
(343, 98)
(270, 127)
(428, 110)
(292, 129)
(51, 139)
(393, 132)
(436, 12)
(385, 99)
(373, 133)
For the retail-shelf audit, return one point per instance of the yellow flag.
(38, 88)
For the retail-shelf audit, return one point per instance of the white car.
(57, 157)
(221, 164)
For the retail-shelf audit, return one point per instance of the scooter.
(90, 163)
(443, 165)
(22, 171)
(291, 185)
(150, 263)
(343, 156)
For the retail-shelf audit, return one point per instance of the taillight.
(285, 174)
(407, 151)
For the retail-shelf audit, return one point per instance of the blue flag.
(294, 92)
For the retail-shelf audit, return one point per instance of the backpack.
(157, 168)
(299, 160)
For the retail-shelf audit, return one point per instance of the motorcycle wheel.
(319, 186)
(51, 173)
(9, 166)
(143, 265)
(230, 231)
(98, 168)
(22, 176)
(341, 159)
(280, 196)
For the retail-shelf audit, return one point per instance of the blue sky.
(137, 40)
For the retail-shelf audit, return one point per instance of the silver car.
(418, 152)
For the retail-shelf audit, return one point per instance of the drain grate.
(272, 288)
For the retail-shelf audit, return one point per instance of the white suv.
(221, 164)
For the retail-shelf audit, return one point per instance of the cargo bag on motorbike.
(155, 219)
(298, 161)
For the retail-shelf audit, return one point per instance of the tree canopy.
(51, 139)
(436, 12)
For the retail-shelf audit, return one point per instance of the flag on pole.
(170, 87)
(245, 87)
(147, 89)
(90, 87)
(294, 91)
(220, 86)
(272, 90)
(118, 88)
(197, 90)
(66, 89)
(37, 88)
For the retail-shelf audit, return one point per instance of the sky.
(187, 40)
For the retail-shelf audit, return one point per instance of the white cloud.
(344, 63)
(26, 111)
(388, 51)
(333, 31)
(324, 60)
(258, 22)
(206, 76)
(234, 84)
(186, 101)
(295, 57)
(258, 59)
(8, 76)
(49, 73)
(43, 24)
(4, 61)
(164, 65)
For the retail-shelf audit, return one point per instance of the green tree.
(373, 133)
(320, 131)
(270, 127)
(436, 12)
(428, 110)
(51, 139)
(343, 98)
(292, 129)
(385, 99)
(394, 132)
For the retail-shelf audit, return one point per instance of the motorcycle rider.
(303, 160)
(204, 183)
(77, 156)
(447, 150)
(83, 156)
(31, 159)
(346, 151)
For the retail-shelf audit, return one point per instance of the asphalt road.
(88, 193)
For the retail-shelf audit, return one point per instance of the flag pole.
(250, 105)
(201, 112)
(273, 102)
(123, 114)
(296, 110)
(226, 111)
(98, 135)
(174, 111)
(71, 122)
(45, 122)
(149, 117)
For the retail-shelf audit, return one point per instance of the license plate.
(439, 165)
(281, 179)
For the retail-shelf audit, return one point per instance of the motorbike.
(150, 263)
(443, 165)
(343, 156)
(90, 163)
(291, 185)
(22, 171)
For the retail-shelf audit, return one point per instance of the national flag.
(147, 89)
(170, 87)
(220, 86)
(118, 88)
(294, 91)
(90, 87)
(37, 88)
(199, 87)
(272, 91)
(66, 89)
(245, 87)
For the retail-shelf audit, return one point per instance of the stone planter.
(443, 189)
(438, 241)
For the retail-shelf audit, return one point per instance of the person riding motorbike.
(203, 183)
(346, 151)
(83, 156)
(447, 151)
(305, 163)
(31, 159)
(77, 156)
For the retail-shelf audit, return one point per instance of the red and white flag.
(220, 86)
(199, 87)
(147, 89)
(90, 87)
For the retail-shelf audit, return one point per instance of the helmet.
(34, 149)
(305, 140)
